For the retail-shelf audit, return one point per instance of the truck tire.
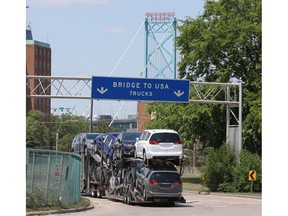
(99, 192)
(93, 192)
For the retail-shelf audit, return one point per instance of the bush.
(248, 162)
(218, 169)
(223, 173)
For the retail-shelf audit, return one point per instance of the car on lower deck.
(159, 183)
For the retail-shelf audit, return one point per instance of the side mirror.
(137, 139)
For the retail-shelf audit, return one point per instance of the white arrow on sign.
(102, 90)
(179, 93)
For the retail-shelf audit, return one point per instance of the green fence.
(52, 178)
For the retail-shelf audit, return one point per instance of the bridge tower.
(160, 54)
(160, 47)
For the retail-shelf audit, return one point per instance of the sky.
(88, 37)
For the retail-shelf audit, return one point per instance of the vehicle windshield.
(131, 136)
(165, 177)
(165, 137)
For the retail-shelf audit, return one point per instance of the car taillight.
(153, 142)
(178, 182)
(177, 142)
(153, 182)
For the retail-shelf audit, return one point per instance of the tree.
(37, 133)
(222, 44)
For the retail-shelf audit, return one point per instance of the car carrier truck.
(131, 180)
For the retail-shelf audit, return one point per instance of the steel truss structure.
(160, 47)
(229, 94)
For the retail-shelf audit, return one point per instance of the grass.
(84, 202)
(192, 182)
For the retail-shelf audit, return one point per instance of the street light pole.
(57, 133)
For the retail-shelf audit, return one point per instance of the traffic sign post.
(252, 178)
(140, 89)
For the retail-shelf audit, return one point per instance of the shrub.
(218, 169)
(223, 173)
(248, 161)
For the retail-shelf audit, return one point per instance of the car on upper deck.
(104, 146)
(84, 142)
(159, 144)
(124, 145)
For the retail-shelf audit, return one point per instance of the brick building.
(143, 116)
(38, 62)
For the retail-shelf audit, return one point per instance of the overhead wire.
(141, 73)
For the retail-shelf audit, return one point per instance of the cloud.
(115, 30)
(65, 2)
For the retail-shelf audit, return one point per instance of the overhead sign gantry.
(140, 89)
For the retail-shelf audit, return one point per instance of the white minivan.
(159, 144)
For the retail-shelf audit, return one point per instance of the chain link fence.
(52, 178)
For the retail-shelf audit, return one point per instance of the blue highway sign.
(140, 89)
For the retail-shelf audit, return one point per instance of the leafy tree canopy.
(223, 43)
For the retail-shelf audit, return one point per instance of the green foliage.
(223, 173)
(191, 120)
(103, 127)
(223, 43)
(43, 134)
(37, 133)
(248, 162)
(218, 169)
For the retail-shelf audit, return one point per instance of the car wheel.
(144, 194)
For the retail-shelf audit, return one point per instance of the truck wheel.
(99, 192)
(125, 199)
(128, 200)
(93, 192)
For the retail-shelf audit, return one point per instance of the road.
(196, 205)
